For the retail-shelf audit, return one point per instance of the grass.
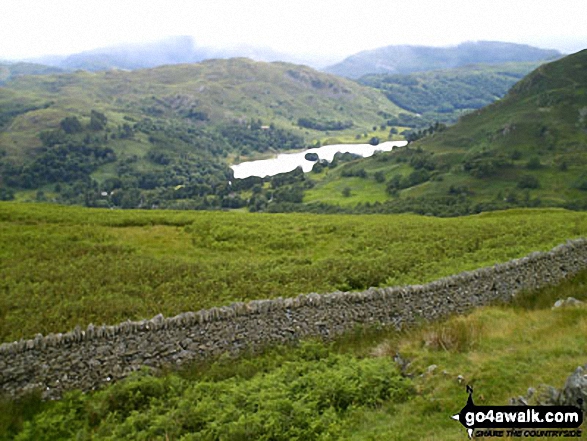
(348, 389)
(362, 191)
(67, 266)
(331, 183)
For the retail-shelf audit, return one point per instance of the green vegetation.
(67, 266)
(13, 70)
(347, 389)
(133, 139)
(167, 148)
(324, 126)
(445, 95)
(528, 149)
(304, 393)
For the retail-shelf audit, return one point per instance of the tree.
(534, 163)
(528, 181)
(97, 121)
(71, 125)
(346, 192)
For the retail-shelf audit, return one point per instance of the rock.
(574, 392)
(431, 369)
(569, 301)
(402, 363)
(546, 396)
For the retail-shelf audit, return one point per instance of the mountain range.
(407, 59)
(137, 134)
(390, 59)
(171, 50)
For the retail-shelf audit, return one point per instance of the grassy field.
(346, 390)
(67, 266)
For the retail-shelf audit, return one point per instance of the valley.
(121, 200)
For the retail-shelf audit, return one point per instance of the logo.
(519, 421)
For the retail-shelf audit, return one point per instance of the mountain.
(445, 95)
(172, 50)
(527, 149)
(175, 125)
(406, 59)
(10, 70)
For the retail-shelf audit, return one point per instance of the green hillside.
(347, 390)
(62, 266)
(67, 266)
(213, 91)
(74, 136)
(528, 149)
(445, 95)
(13, 70)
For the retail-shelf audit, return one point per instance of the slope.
(131, 123)
(11, 70)
(528, 149)
(218, 90)
(445, 95)
(407, 59)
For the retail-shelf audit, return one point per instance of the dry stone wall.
(87, 359)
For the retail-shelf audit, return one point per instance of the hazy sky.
(30, 28)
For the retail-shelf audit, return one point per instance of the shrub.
(533, 163)
(528, 181)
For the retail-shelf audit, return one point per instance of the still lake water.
(286, 162)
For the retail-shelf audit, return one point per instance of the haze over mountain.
(10, 70)
(172, 50)
(391, 59)
(406, 59)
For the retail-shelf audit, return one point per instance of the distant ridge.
(9, 70)
(406, 59)
(169, 51)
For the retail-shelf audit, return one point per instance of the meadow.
(66, 266)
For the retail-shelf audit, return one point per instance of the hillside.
(63, 266)
(408, 59)
(12, 70)
(130, 129)
(67, 266)
(528, 149)
(445, 95)
(355, 388)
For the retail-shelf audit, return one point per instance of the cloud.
(30, 27)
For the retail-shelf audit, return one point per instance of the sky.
(328, 28)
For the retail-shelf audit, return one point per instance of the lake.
(286, 162)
